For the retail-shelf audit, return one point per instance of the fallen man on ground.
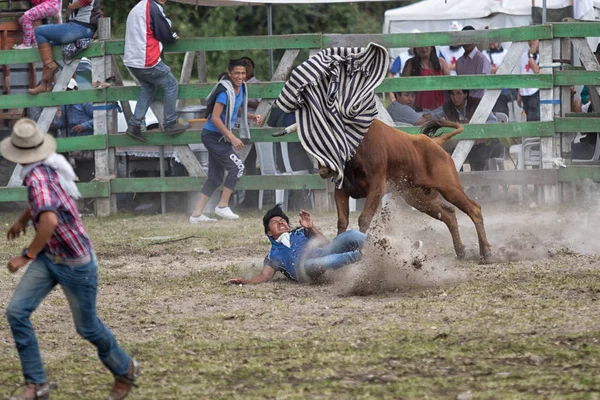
(303, 252)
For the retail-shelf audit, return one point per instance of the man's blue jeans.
(80, 284)
(61, 33)
(150, 79)
(343, 250)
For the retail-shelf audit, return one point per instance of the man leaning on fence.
(60, 253)
(146, 31)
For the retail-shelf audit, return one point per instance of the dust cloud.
(516, 233)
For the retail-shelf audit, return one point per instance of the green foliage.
(190, 21)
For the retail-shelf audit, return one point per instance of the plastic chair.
(595, 158)
(268, 166)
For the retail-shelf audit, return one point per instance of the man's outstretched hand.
(306, 220)
(237, 281)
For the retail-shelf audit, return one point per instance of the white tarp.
(436, 15)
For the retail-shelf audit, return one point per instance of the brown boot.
(48, 72)
(36, 392)
(124, 383)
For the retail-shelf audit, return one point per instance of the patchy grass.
(513, 330)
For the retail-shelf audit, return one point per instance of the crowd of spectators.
(417, 108)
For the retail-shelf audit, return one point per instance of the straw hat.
(27, 143)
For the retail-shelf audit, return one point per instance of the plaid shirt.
(69, 240)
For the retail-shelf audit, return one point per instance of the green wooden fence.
(565, 77)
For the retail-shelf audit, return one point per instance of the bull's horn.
(286, 131)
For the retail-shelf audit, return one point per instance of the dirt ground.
(401, 324)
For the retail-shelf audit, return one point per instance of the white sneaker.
(201, 218)
(225, 212)
(21, 46)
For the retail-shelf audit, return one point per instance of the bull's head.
(325, 172)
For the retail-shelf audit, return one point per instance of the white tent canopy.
(221, 3)
(436, 15)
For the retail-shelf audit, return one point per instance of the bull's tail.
(430, 129)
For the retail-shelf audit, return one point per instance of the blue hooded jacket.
(284, 259)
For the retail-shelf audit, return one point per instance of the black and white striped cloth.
(333, 96)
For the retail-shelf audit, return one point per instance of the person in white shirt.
(529, 98)
(452, 53)
(496, 53)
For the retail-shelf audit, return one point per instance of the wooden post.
(186, 74)
(104, 123)
(201, 65)
(566, 189)
(125, 106)
(549, 194)
(488, 101)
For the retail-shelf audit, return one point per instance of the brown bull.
(416, 167)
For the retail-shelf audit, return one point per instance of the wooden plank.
(33, 56)
(188, 183)
(125, 106)
(382, 113)
(549, 146)
(497, 81)
(482, 37)
(273, 89)
(567, 190)
(509, 177)
(576, 173)
(51, 99)
(88, 190)
(201, 66)
(577, 29)
(302, 41)
(514, 54)
(186, 74)
(577, 125)
(576, 77)
(104, 123)
(94, 142)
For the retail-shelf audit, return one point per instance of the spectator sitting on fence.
(473, 62)
(460, 108)
(228, 99)
(250, 78)
(426, 63)
(529, 98)
(402, 111)
(146, 31)
(39, 10)
(82, 23)
(293, 255)
(452, 53)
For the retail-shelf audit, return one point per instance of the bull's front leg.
(342, 204)
(374, 195)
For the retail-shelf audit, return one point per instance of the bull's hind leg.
(428, 201)
(456, 195)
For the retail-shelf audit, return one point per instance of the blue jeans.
(150, 79)
(62, 33)
(80, 284)
(343, 250)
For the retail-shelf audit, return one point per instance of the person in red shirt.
(60, 253)
(426, 63)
